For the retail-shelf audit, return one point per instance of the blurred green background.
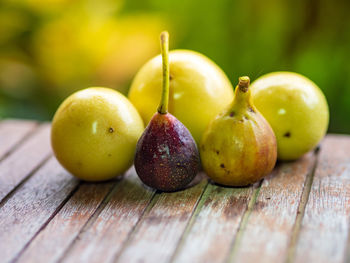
(51, 48)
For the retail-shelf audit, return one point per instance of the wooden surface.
(299, 213)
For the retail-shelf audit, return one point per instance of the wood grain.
(24, 160)
(104, 237)
(159, 231)
(13, 132)
(32, 205)
(57, 236)
(325, 227)
(215, 225)
(267, 233)
(46, 215)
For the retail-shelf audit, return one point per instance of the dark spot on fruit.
(217, 152)
(287, 134)
(111, 130)
(245, 117)
(250, 109)
(170, 77)
(241, 120)
(109, 155)
(222, 165)
(232, 114)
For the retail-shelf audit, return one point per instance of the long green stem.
(164, 46)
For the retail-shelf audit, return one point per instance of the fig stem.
(242, 100)
(243, 83)
(164, 46)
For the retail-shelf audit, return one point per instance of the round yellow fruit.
(94, 133)
(199, 89)
(296, 109)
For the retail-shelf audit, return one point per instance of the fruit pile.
(97, 133)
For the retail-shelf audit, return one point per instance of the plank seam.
(244, 221)
(153, 200)
(24, 180)
(75, 189)
(25, 137)
(91, 220)
(193, 217)
(301, 210)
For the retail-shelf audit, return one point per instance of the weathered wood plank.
(270, 225)
(132, 227)
(214, 226)
(12, 132)
(156, 236)
(32, 206)
(57, 236)
(325, 226)
(25, 159)
(104, 237)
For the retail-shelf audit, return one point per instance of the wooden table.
(300, 213)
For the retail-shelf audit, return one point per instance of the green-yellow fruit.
(296, 109)
(238, 147)
(199, 89)
(94, 133)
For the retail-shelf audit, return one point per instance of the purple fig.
(167, 157)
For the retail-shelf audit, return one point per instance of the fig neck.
(242, 100)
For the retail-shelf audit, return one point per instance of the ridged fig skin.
(167, 157)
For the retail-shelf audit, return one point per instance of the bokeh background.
(51, 48)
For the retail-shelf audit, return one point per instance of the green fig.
(239, 147)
